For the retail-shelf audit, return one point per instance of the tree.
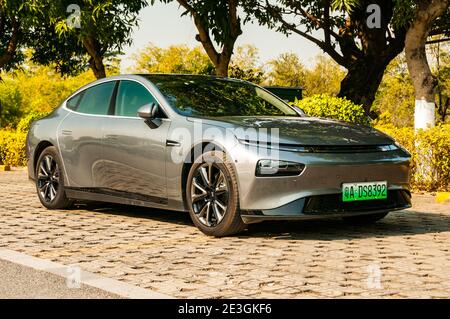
(245, 64)
(34, 89)
(395, 98)
(440, 53)
(94, 29)
(16, 21)
(426, 14)
(324, 78)
(362, 42)
(286, 70)
(218, 25)
(174, 59)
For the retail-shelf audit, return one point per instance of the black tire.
(216, 197)
(365, 219)
(53, 196)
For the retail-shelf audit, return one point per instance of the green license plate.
(364, 191)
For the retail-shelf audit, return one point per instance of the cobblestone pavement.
(405, 255)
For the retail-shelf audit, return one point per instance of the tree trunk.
(423, 80)
(362, 81)
(96, 57)
(8, 55)
(222, 67)
(97, 67)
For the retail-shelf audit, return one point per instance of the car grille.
(333, 203)
(346, 149)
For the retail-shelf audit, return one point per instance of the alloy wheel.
(48, 179)
(209, 194)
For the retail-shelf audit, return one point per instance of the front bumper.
(322, 179)
(330, 206)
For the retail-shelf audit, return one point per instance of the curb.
(443, 197)
(86, 278)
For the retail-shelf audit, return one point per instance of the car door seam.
(59, 148)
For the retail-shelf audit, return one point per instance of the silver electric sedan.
(227, 151)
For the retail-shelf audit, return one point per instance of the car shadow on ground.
(404, 223)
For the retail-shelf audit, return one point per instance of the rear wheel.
(50, 180)
(212, 196)
(365, 219)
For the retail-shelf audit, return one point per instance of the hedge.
(433, 145)
(12, 148)
(13, 142)
(326, 106)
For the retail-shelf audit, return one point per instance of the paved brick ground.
(405, 255)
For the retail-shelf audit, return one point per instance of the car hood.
(303, 130)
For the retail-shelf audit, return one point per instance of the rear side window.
(73, 102)
(96, 100)
(131, 96)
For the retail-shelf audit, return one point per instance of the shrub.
(326, 106)
(12, 148)
(24, 124)
(10, 104)
(435, 144)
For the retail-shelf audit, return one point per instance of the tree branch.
(326, 45)
(326, 23)
(203, 33)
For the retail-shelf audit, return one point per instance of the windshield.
(212, 97)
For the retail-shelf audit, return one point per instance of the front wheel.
(50, 180)
(365, 219)
(212, 196)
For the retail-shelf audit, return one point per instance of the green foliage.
(246, 74)
(10, 103)
(104, 29)
(174, 59)
(36, 90)
(436, 143)
(17, 20)
(24, 124)
(326, 106)
(286, 70)
(12, 148)
(245, 64)
(344, 5)
(324, 78)
(395, 98)
(184, 60)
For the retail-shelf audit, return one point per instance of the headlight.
(387, 148)
(267, 168)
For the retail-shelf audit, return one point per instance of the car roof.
(155, 76)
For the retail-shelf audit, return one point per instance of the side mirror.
(148, 111)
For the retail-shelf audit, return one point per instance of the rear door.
(134, 152)
(80, 135)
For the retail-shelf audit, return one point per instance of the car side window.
(72, 103)
(131, 96)
(97, 99)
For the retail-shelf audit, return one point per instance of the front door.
(134, 153)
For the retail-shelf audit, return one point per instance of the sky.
(162, 25)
